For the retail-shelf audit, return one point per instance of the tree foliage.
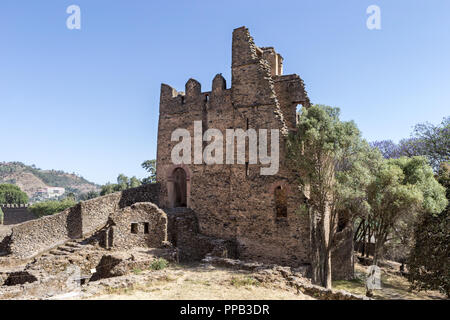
(429, 260)
(51, 207)
(2, 216)
(343, 176)
(150, 167)
(11, 194)
(404, 186)
(333, 167)
(123, 183)
(88, 196)
(431, 141)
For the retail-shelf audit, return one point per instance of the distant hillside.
(30, 179)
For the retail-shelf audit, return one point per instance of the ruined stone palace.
(226, 210)
(260, 213)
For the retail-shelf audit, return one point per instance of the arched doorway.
(180, 187)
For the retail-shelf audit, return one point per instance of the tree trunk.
(377, 252)
(369, 237)
(363, 240)
(321, 254)
(327, 271)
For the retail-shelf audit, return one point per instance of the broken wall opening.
(180, 187)
(19, 277)
(280, 202)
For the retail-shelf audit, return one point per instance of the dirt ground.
(200, 283)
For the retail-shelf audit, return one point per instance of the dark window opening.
(247, 170)
(110, 237)
(206, 98)
(280, 202)
(146, 227)
(180, 187)
(247, 123)
(134, 228)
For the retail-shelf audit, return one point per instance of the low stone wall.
(33, 237)
(322, 293)
(295, 277)
(183, 233)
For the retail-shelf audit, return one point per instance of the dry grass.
(198, 283)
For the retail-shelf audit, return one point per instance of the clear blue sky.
(87, 100)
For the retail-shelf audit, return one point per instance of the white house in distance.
(50, 192)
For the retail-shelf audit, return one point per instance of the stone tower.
(234, 201)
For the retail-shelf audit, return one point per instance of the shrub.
(137, 271)
(243, 282)
(51, 207)
(159, 264)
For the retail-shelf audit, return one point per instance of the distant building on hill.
(49, 193)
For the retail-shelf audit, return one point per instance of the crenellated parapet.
(219, 84)
(12, 206)
(192, 99)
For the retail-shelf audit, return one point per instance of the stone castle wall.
(33, 237)
(14, 214)
(235, 201)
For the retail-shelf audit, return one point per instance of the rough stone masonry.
(233, 201)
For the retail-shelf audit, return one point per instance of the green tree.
(107, 189)
(123, 183)
(433, 141)
(134, 182)
(11, 194)
(88, 195)
(429, 260)
(333, 166)
(2, 216)
(51, 207)
(404, 186)
(70, 195)
(150, 167)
